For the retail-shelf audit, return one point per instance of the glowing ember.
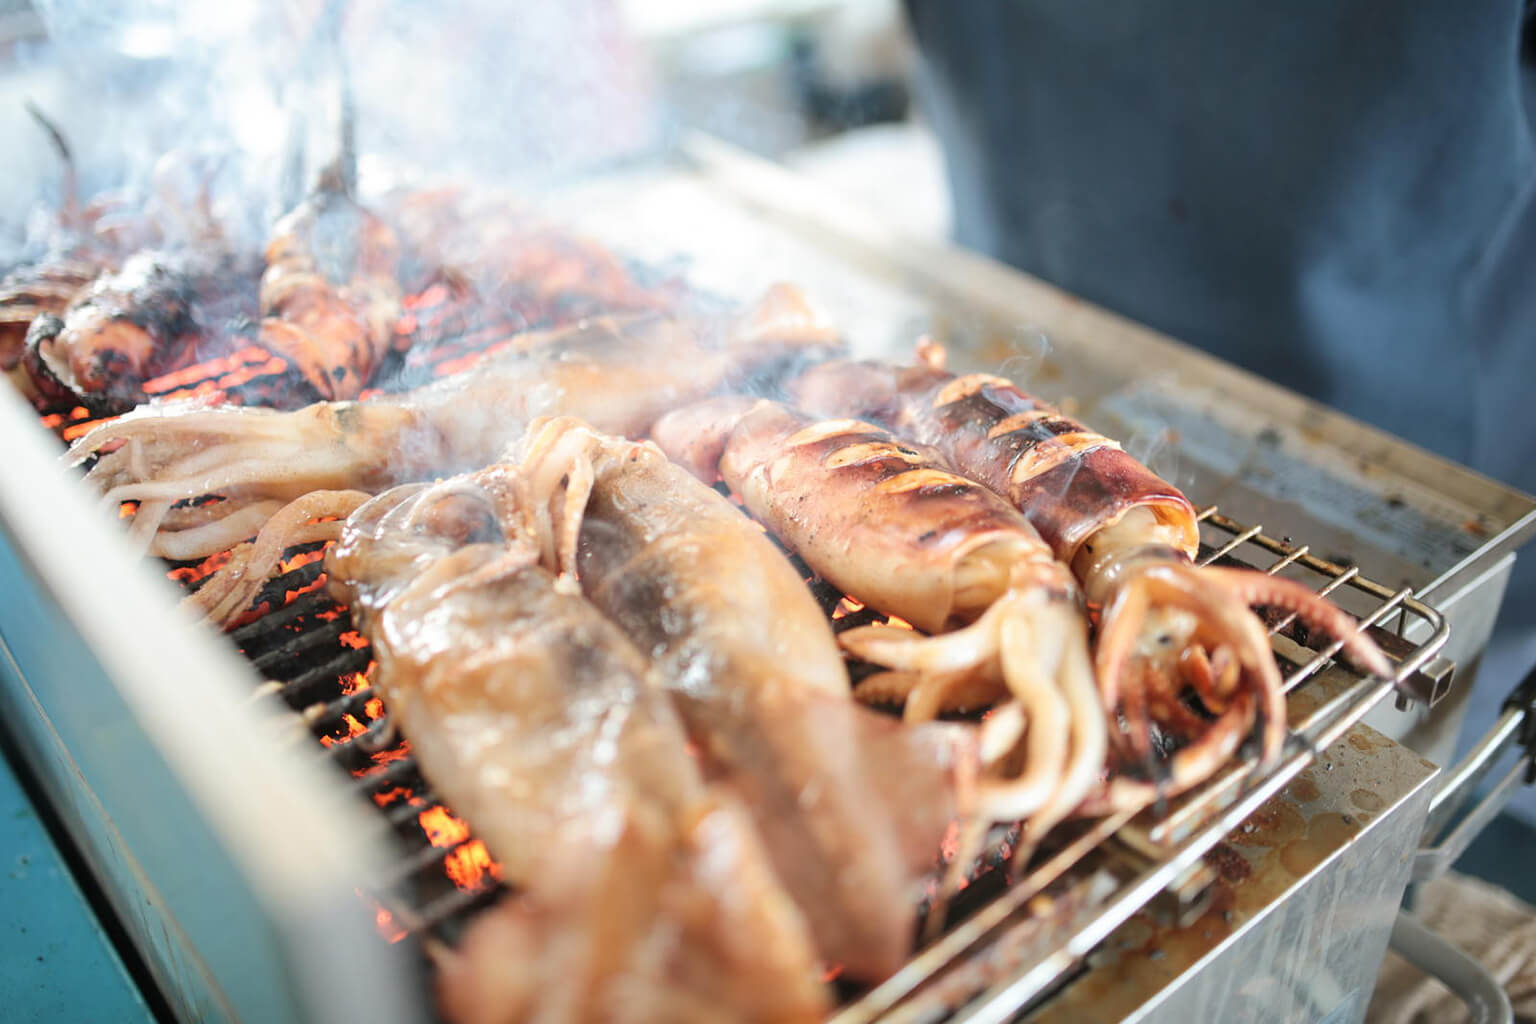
(394, 793)
(187, 575)
(211, 368)
(831, 974)
(383, 759)
(353, 639)
(374, 709)
(80, 428)
(469, 864)
(900, 623)
(245, 375)
(309, 588)
(354, 730)
(303, 558)
(847, 606)
(441, 827)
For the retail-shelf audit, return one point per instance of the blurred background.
(540, 89)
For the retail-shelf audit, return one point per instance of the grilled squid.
(852, 804)
(889, 526)
(618, 373)
(641, 890)
(1130, 538)
(330, 296)
(30, 292)
(129, 288)
(147, 319)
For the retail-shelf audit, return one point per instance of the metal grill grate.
(1089, 879)
(1168, 843)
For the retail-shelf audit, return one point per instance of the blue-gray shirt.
(1336, 194)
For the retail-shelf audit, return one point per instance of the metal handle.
(1486, 999)
(1515, 729)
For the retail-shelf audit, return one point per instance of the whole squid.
(643, 893)
(852, 805)
(889, 526)
(619, 373)
(1130, 538)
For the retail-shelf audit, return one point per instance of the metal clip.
(1428, 684)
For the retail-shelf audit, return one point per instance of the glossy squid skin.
(643, 892)
(618, 373)
(330, 294)
(147, 319)
(877, 517)
(886, 523)
(851, 804)
(1131, 539)
(1068, 480)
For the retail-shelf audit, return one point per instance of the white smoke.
(252, 92)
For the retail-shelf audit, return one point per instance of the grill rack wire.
(311, 660)
(305, 648)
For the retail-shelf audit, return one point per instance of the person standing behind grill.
(1335, 194)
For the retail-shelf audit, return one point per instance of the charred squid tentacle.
(1256, 588)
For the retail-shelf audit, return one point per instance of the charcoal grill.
(336, 885)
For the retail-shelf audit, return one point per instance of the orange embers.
(467, 864)
(190, 574)
(441, 827)
(354, 729)
(213, 376)
(373, 710)
(303, 558)
(847, 606)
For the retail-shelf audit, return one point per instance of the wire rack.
(1069, 901)
(1171, 841)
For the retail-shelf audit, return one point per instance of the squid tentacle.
(229, 590)
(1318, 612)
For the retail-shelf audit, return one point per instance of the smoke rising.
(158, 97)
